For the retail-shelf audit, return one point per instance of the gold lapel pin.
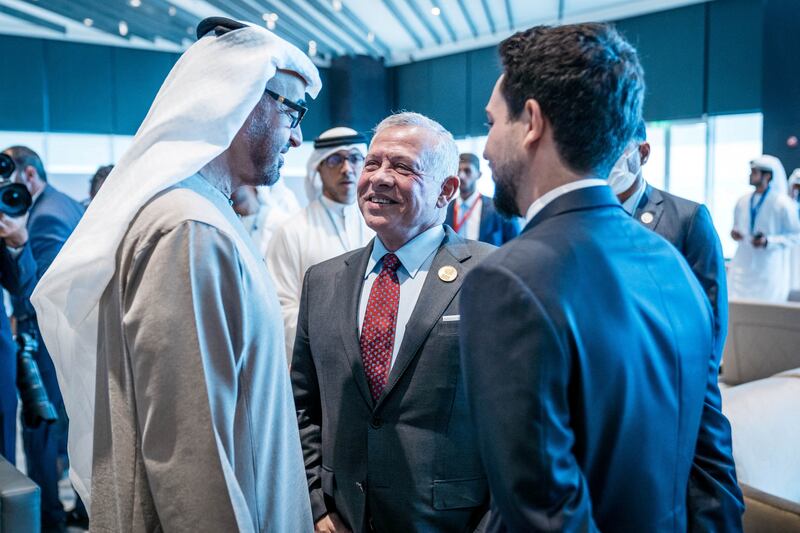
(448, 273)
(646, 217)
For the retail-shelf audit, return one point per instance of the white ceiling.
(400, 31)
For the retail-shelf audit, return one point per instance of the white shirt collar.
(412, 255)
(471, 199)
(633, 200)
(335, 207)
(561, 190)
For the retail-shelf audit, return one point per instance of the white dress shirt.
(471, 227)
(415, 258)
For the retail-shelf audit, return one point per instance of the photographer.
(51, 219)
(18, 277)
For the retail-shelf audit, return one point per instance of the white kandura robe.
(764, 273)
(322, 231)
(195, 426)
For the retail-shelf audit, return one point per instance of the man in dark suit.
(51, 219)
(473, 215)
(381, 406)
(685, 224)
(18, 277)
(588, 395)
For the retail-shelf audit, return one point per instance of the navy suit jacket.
(51, 219)
(495, 228)
(18, 277)
(589, 394)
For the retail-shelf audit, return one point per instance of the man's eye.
(488, 125)
(371, 165)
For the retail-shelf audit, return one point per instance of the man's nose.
(296, 136)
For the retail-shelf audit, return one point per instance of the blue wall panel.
(671, 46)
(22, 92)
(449, 89)
(137, 77)
(79, 87)
(484, 69)
(735, 42)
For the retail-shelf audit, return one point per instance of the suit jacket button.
(376, 422)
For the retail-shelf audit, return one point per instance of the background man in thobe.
(766, 226)
(472, 215)
(382, 411)
(329, 226)
(50, 221)
(586, 341)
(194, 427)
(263, 209)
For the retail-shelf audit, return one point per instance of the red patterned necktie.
(380, 321)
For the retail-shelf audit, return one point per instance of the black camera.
(36, 405)
(15, 200)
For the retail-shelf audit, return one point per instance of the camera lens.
(14, 199)
(6, 166)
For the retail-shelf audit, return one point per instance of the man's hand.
(13, 231)
(736, 236)
(330, 523)
(759, 241)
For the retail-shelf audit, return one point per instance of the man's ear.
(449, 190)
(644, 152)
(29, 174)
(533, 120)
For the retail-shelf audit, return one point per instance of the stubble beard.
(505, 192)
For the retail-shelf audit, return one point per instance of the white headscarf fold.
(313, 179)
(772, 164)
(199, 109)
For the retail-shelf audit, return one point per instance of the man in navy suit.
(473, 215)
(18, 277)
(588, 395)
(51, 219)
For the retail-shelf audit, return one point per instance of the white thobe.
(195, 427)
(764, 273)
(322, 231)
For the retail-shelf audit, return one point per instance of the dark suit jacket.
(18, 277)
(409, 461)
(588, 395)
(495, 228)
(51, 219)
(688, 227)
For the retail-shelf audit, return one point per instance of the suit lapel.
(649, 210)
(349, 282)
(433, 300)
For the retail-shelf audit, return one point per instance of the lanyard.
(457, 223)
(754, 209)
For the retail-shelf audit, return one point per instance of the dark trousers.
(43, 445)
(8, 435)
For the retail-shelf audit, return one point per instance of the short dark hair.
(25, 157)
(98, 179)
(588, 82)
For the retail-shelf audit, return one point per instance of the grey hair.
(439, 161)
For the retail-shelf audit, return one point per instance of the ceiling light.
(371, 37)
(312, 48)
(88, 22)
(190, 30)
(271, 24)
(337, 5)
(135, 3)
(273, 17)
(123, 28)
(435, 11)
(172, 11)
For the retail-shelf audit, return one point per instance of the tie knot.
(391, 262)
